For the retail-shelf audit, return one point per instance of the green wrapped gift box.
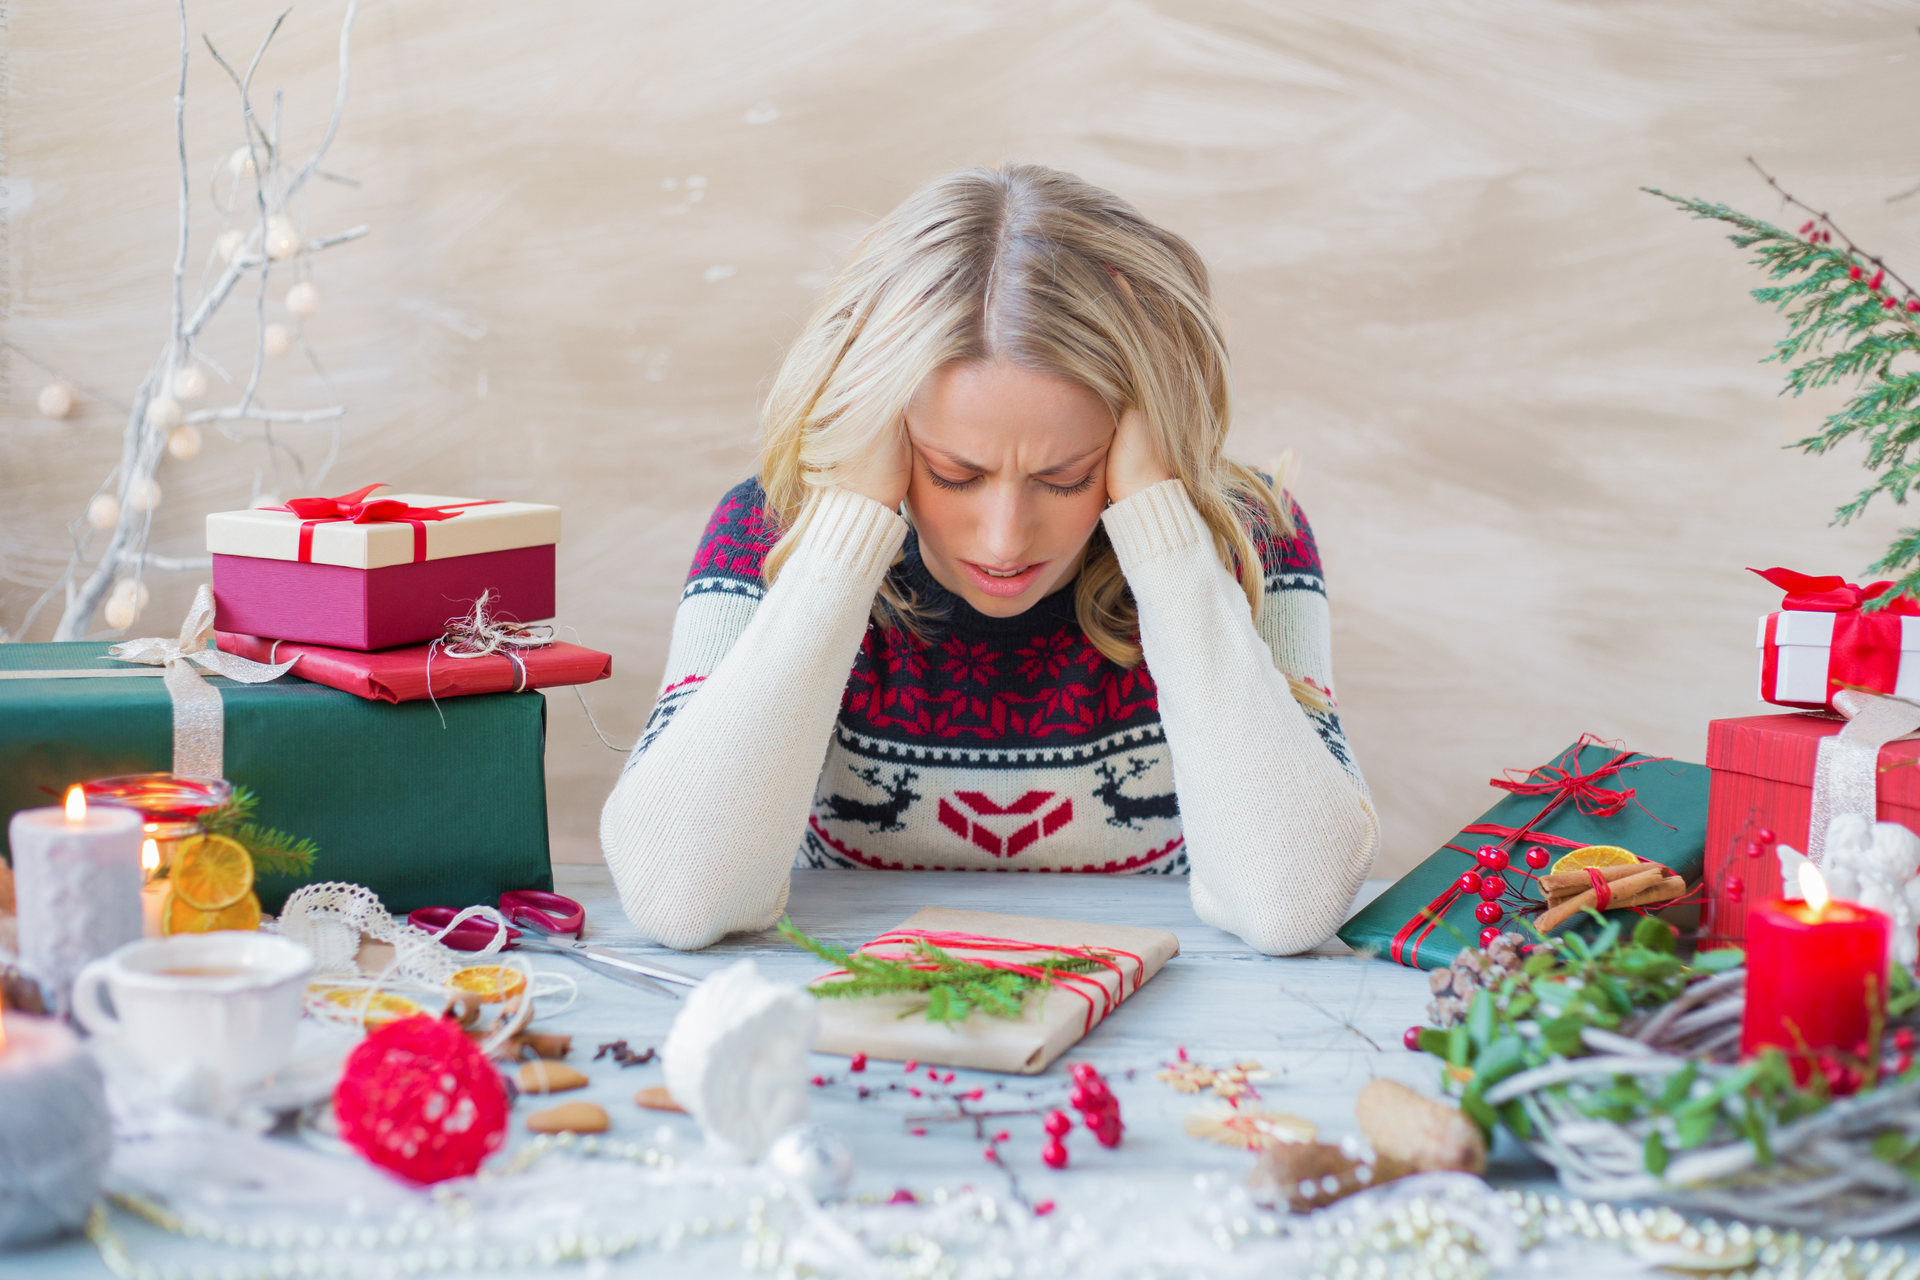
(1591, 794)
(423, 805)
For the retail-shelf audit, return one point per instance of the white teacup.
(228, 1001)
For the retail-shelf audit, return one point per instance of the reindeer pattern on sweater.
(987, 743)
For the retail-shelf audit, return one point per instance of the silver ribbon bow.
(1846, 777)
(199, 720)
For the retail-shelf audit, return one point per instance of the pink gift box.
(372, 573)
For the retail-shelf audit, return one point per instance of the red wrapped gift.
(1764, 771)
(400, 675)
(359, 572)
(1820, 641)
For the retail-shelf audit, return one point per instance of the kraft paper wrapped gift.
(421, 812)
(893, 1028)
(360, 572)
(1593, 793)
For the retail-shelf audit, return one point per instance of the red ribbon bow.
(1866, 646)
(1560, 781)
(1834, 594)
(354, 507)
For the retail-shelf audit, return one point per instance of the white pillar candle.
(55, 1134)
(76, 878)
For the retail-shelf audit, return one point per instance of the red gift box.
(400, 675)
(355, 572)
(1763, 781)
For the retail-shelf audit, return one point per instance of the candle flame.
(76, 805)
(150, 857)
(1813, 887)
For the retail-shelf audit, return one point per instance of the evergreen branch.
(954, 988)
(1850, 319)
(273, 851)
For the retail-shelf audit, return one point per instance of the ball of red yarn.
(418, 1097)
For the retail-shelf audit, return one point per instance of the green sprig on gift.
(273, 851)
(954, 988)
(1849, 317)
(1538, 1014)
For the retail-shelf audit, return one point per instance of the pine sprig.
(273, 851)
(1850, 318)
(954, 988)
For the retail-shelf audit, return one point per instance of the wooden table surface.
(1323, 1024)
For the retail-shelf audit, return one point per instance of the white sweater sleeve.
(1279, 837)
(701, 828)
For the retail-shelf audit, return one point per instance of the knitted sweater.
(995, 744)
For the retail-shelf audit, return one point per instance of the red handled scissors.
(547, 913)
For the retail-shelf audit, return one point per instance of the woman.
(991, 483)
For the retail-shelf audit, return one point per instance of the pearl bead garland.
(1453, 1232)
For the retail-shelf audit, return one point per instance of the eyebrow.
(1070, 464)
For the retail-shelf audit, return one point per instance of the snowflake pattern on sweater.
(988, 743)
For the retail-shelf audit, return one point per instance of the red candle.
(1816, 976)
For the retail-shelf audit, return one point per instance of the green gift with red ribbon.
(1593, 793)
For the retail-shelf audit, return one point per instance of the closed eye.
(941, 482)
(1069, 490)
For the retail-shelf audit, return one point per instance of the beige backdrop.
(1538, 446)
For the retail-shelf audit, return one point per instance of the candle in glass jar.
(1816, 976)
(153, 893)
(76, 874)
(55, 1134)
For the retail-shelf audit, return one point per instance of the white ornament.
(189, 384)
(1876, 864)
(303, 299)
(276, 339)
(283, 239)
(143, 495)
(814, 1156)
(184, 443)
(736, 1059)
(104, 511)
(163, 412)
(229, 243)
(240, 163)
(56, 399)
(125, 603)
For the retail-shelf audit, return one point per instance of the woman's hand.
(884, 473)
(1133, 459)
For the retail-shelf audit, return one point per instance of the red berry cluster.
(1487, 882)
(1099, 1111)
(1890, 302)
(1816, 236)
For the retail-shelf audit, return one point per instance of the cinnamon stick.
(1575, 881)
(1627, 889)
(1554, 900)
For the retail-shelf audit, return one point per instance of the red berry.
(1182, 1051)
(1045, 1207)
(1890, 303)
(974, 1095)
(1469, 882)
(1538, 858)
(1080, 1099)
(859, 1062)
(1734, 887)
(1054, 1156)
(1903, 1064)
(914, 1092)
(1492, 857)
(1056, 1123)
(1874, 283)
(1489, 913)
(901, 1195)
(910, 1066)
(933, 1075)
(1903, 1038)
(918, 1133)
(818, 1081)
(1854, 273)
(1764, 836)
(1492, 887)
(991, 1154)
(1913, 304)
(1487, 935)
(1411, 1038)
(1001, 1136)
(1755, 849)
(1107, 1134)
(947, 1078)
(1806, 228)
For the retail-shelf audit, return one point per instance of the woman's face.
(1009, 479)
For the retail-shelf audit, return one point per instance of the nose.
(1006, 526)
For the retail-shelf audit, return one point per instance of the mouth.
(1003, 582)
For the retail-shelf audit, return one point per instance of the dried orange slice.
(1595, 855)
(180, 916)
(211, 872)
(492, 983)
(376, 1009)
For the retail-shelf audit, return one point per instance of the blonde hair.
(1038, 268)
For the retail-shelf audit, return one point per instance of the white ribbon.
(1846, 778)
(199, 720)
